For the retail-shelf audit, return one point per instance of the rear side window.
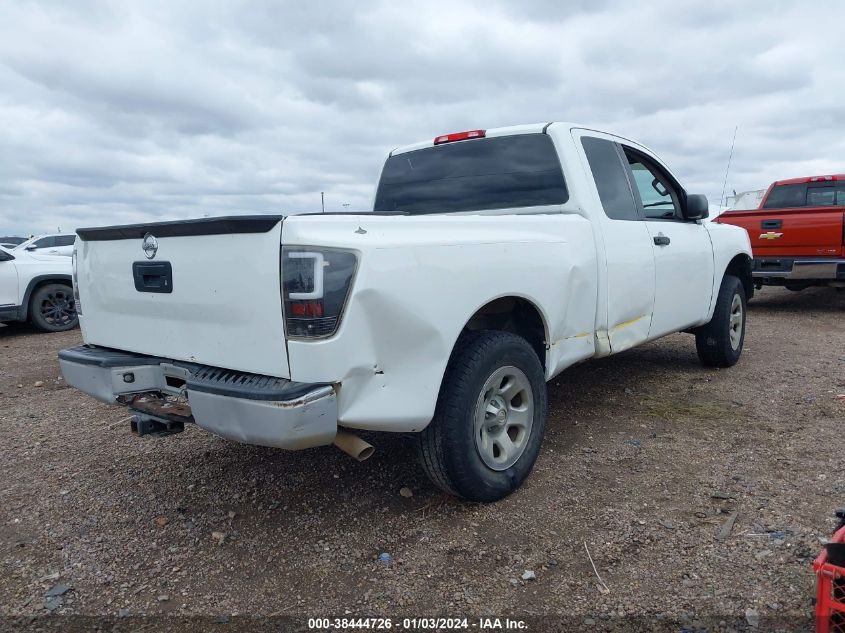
(491, 173)
(611, 181)
(65, 240)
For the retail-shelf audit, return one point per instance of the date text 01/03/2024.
(481, 624)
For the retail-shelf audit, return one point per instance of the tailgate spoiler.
(183, 228)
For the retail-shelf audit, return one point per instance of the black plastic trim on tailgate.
(183, 228)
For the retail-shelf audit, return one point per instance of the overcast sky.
(114, 112)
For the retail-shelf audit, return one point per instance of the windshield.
(491, 173)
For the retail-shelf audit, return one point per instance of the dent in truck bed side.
(406, 310)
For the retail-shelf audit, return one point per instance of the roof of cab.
(806, 179)
(529, 128)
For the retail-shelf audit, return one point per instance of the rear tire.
(52, 308)
(719, 343)
(490, 417)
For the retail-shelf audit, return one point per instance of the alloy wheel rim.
(504, 416)
(735, 331)
(57, 308)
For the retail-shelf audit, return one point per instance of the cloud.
(116, 112)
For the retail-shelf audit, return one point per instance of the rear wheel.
(719, 343)
(52, 308)
(490, 418)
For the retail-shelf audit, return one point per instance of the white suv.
(37, 288)
(58, 244)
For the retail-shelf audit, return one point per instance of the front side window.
(657, 193)
(44, 242)
(488, 173)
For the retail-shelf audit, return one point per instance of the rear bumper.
(798, 269)
(248, 408)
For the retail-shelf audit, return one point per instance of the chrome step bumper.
(798, 269)
(248, 408)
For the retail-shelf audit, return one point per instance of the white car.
(58, 244)
(9, 242)
(492, 261)
(37, 288)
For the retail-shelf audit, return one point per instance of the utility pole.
(323, 200)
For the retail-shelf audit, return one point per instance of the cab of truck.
(798, 232)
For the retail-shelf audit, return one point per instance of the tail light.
(76, 303)
(315, 287)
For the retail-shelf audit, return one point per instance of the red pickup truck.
(798, 233)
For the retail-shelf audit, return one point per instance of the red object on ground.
(830, 591)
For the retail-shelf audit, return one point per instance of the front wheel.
(490, 417)
(719, 343)
(52, 308)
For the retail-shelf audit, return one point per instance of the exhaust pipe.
(353, 445)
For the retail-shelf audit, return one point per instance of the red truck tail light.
(315, 287)
(459, 136)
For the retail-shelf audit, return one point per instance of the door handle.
(661, 240)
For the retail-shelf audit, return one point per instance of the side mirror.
(697, 207)
(31, 248)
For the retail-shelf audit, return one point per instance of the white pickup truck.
(492, 261)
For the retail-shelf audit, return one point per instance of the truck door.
(683, 252)
(626, 302)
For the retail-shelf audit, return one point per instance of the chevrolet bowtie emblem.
(771, 235)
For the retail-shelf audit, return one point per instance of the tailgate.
(799, 232)
(203, 291)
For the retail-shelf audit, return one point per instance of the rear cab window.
(826, 196)
(502, 172)
(806, 195)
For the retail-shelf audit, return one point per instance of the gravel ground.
(647, 456)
